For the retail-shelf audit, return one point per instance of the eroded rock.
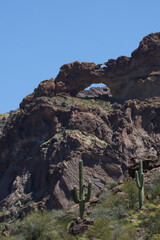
(127, 77)
(42, 144)
(46, 88)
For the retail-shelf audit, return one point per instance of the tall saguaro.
(82, 198)
(139, 175)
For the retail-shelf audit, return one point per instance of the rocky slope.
(43, 142)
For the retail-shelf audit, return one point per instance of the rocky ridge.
(43, 142)
(135, 77)
(132, 77)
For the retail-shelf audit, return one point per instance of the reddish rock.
(80, 226)
(127, 77)
(45, 88)
(6, 231)
(42, 144)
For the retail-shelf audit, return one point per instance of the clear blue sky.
(38, 36)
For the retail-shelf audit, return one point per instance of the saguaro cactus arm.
(74, 195)
(140, 176)
(81, 180)
(137, 179)
(88, 195)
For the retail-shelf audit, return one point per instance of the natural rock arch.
(127, 77)
(135, 77)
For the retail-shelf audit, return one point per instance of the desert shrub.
(152, 224)
(130, 189)
(36, 225)
(9, 238)
(111, 207)
(100, 230)
(124, 232)
(153, 187)
(111, 185)
(44, 226)
(61, 226)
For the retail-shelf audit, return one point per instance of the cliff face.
(43, 142)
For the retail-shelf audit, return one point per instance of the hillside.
(59, 124)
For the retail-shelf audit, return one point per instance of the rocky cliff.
(43, 142)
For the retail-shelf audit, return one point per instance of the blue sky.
(38, 36)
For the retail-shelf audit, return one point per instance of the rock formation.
(135, 77)
(42, 143)
(96, 92)
(45, 88)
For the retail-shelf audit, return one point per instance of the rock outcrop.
(135, 77)
(96, 92)
(45, 88)
(41, 146)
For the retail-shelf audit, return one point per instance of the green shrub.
(44, 226)
(100, 230)
(112, 207)
(9, 238)
(152, 224)
(124, 232)
(36, 226)
(131, 191)
(153, 187)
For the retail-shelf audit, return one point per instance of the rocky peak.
(46, 88)
(149, 44)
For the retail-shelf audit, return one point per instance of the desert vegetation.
(116, 215)
(69, 101)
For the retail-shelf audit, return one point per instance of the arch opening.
(100, 85)
(99, 90)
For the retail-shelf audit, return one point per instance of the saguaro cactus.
(139, 175)
(83, 197)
